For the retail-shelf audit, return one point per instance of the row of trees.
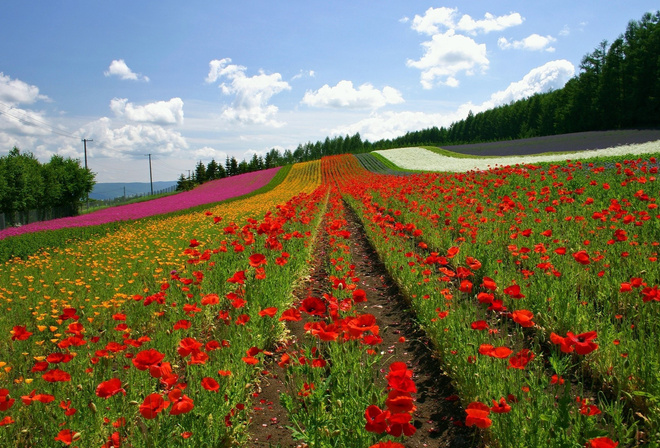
(618, 87)
(51, 190)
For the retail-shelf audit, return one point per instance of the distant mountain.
(111, 190)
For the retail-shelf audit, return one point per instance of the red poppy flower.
(400, 424)
(523, 318)
(362, 324)
(388, 444)
(210, 384)
(563, 343)
(56, 375)
(313, 306)
(398, 402)
(257, 260)
(291, 314)
(582, 257)
(376, 419)
(479, 325)
(238, 277)
(210, 299)
(5, 401)
(323, 331)
(520, 359)
(65, 436)
(20, 333)
(152, 405)
(495, 352)
(147, 358)
(514, 292)
(489, 283)
(602, 442)
(109, 388)
(187, 346)
(181, 403)
(270, 312)
(359, 295)
(583, 342)
(501, 407)
(7, 421)
(477, 415)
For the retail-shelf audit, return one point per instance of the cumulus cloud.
(208, 153)
(534, 42)
(132, 140)
(119, 68)
(447, 18)
(159, 112)
(252, 94)
(552, 75)
(15, 91)
(24, 122)
(448, 54)
(344, 95)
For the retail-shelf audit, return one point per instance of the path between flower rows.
(439, 416)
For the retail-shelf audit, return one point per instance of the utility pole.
(85, 140)
(151, 178)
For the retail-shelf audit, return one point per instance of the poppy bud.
(92, 407)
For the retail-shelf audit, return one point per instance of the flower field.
(536, 284)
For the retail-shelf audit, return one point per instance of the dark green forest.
(51, 190)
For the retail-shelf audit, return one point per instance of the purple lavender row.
(209, 192)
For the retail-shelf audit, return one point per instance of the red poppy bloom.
(323, 331)
(479, 325)
(495, 352)
(65, 436)
(582, 257)
(514, 292)
(270, 312)
(376, 419)
(291, 314)
(489, 283)
(238, 277)
(563, 343)
(359, 295)
(210, 384)
(210, 299)
(20, 333)
(56, 375)
(313, 306)
(147, 358)
(398, 402)
(362, 324)
(400, 424)
(583, 342)
(257, 260)
(187, 346)
(5, 401)
(501, 407)
(7, 421)
(520, 359)
(523, 317)
(109, 388)
(181, 403)
(477, 415)
(388, 444)
(602, 442)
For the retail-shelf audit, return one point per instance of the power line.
(31, 121)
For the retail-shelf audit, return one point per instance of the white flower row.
(425, 160)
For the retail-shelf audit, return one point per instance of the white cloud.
(207, 153)
(17, 121)
(489, 23)
(534, 42)
(388, 125)
(448, 54)
(304, 74)
(15, 91)
(344, 95)
(132, 140)
(119, 68)
(252, 94)
(159, 112)
(550, 76)
(565, 31)
(447, 18)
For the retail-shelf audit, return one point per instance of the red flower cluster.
(395, 420)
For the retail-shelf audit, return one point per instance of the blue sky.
(195, 80)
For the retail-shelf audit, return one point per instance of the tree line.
(617, 87)
(52, 190)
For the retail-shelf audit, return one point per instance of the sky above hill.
(195, 80)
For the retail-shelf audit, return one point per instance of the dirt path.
(438, 418)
